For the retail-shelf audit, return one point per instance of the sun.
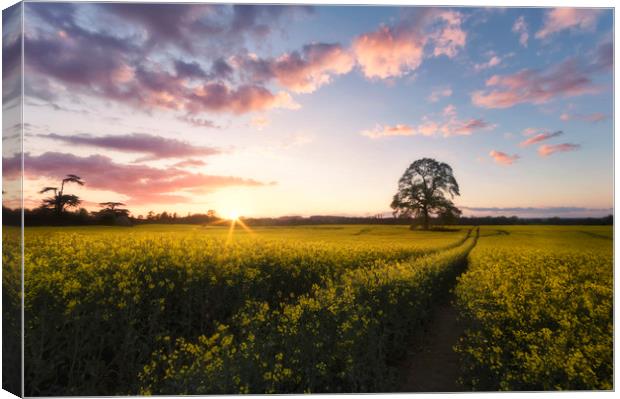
(233, 215)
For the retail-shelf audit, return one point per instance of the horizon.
(266, 111)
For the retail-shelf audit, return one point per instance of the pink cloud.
(520, 27)
(142, 184)
(503, 158)
(559, 19)
(530, 130)
(389, 131)
(393, 51)
(567, 79)
(449, 38)
(189, 163)
(594, 117)
(492, 62)
(449, 126)
(546, 150)
(449, 111)
(465, 128)
(247, 98)
(438, 93)
(313, 68)
(155, 147)
(540, 137)
(388, 52)
(300, 71)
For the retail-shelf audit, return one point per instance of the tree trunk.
(426, 222)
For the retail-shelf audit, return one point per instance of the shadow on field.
(595, 235)
(496, 232)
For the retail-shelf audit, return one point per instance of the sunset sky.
(282, 110)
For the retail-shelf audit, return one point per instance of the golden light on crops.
(234, 218)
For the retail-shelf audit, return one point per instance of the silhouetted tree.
(112, 208)
(112, 214)
(423, 191)
(60, 200)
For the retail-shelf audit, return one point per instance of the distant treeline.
(45, 217)
(487, 220)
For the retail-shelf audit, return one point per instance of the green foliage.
(423, 190)
(540, 306)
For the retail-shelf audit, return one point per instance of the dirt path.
(432, 365)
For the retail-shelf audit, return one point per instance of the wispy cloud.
(568, 79)
(449, 125)
(594, 117)
(438, 93)
(155, 147)
(260, 122)
(389, 131)
(520, 27)
(190, 163)
(140, 183)
(559, 19)
(503, 158)
(540, 137)
(546, 150)
(493, 61)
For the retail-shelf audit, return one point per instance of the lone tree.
(60, 200)
(423, 190)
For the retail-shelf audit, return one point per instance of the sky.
(306, 110)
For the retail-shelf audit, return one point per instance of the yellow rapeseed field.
(197, 310)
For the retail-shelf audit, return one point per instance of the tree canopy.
(423, 191)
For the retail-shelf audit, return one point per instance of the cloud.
(389, 131)
(198, 122)
(183, 25)
(568, 79)
(219, 97)
(189, 163)
(520, 27)
(492, 62)
(503, 158)
(540, 137)
(546, 150)
(155, 147)
(449, 111)
(449, 126)
(260, 122)
(450, 37)
(388, 52)
(594, 117)
(189, 70)
(466, 127)
(530, 130)
(301, 71)
(60, 53)
(559, 19)
(393, 51)
(140, 183)
(438, 93)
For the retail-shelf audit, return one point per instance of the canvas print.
(234, 198)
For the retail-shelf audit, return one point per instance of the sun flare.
(232, 215)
